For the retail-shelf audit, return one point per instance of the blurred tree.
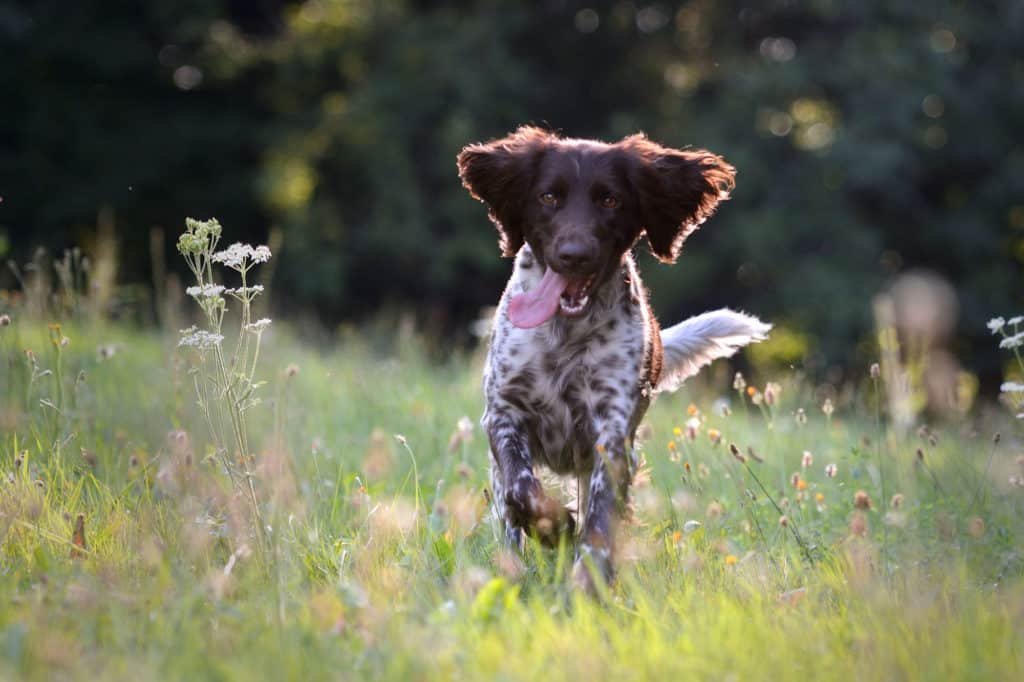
(870, 137)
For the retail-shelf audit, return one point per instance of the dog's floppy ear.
(500, 173)
(677, 190)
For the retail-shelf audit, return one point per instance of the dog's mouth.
(554, 293)
(573, 301)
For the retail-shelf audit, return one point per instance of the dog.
(575, 354)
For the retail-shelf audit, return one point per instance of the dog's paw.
(592, 572)
(528, 507)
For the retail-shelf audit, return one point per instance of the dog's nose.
(575, 256)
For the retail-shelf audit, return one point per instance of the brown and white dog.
(576, 354)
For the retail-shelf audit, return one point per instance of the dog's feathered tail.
(695, 342)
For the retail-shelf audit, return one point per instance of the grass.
(384, 561)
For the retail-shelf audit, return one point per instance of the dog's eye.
(548, 198)
(608, 201)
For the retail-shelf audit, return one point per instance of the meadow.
(776, 532)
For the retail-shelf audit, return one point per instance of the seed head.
(920, 454)
(783, 520)
(897, 501)
(801, 417)
(807, 459)
(996, 437)
(736, 452)
(754, 456)
(771, 393)
(794, 480)
(977, 527)
(5, 320)
(861, 500)
(738, 382)
(875, 370)
(831, 470)
(692, 426)
(827, 407)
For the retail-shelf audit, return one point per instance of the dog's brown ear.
(677, 190)
(500, 173)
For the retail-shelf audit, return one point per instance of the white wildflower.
(1014, 321)
(259, 325)
(1012, 387)
(996, 324)
(205, 291)
(235, 256)
(244, 291)
(1014, 341)
(690, 526)
(200, 338)
(738, 382)
(261, 254)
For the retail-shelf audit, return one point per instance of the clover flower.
(831, 470)
(807, 459)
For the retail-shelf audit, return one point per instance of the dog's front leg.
(606, 499)
(518, 495)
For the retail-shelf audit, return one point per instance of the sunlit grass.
(379, 574)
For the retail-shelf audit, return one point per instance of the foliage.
(871, 138)
(388, 563)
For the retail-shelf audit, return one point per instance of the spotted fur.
(568, 395)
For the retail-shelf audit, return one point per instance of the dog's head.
(582, 204)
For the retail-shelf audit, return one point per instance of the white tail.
(695, 342)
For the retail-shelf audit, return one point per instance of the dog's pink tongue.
(537, 305)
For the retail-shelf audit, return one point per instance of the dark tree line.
(871, 138)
